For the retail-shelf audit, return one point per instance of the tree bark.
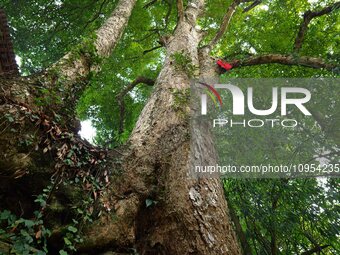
(33, 135)
(73, 67)
(191, 213)
(289, 60)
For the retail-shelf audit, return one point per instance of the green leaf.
(72, 229)
(4, 215)
(29, 223)
(67, 241)
(62, 252)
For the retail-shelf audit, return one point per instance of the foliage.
(38, 27)
(183, 63)
(129, 60)
(181, 101)
(77, 165)
(305, 214)
(28, 236)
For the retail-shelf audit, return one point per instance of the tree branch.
(110, 32)
(252, 6)
(73, 69)
(238, 228)
(315, 249)
(96, 16)
(227, 19)
(138, 80)
(122, 94)
(307, 18)
(180, 10)
(225, 23)
(290, 60)
(152, 49)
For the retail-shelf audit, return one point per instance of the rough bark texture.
(284, 60)
(71, 73)
(123, 93)
(192, 213)
(26, 169)
(74, 68)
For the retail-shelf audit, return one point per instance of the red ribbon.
(224, 65)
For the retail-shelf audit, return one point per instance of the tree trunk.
(190, 213)
(73, 67)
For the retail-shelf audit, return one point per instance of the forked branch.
(123, 93)
(307, 18)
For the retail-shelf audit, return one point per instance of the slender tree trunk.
(73, 67)
(239, 231)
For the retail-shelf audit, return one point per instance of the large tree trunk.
(188, 215)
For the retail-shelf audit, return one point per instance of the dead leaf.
(38, 234)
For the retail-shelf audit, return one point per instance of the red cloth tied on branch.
(224, 65)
